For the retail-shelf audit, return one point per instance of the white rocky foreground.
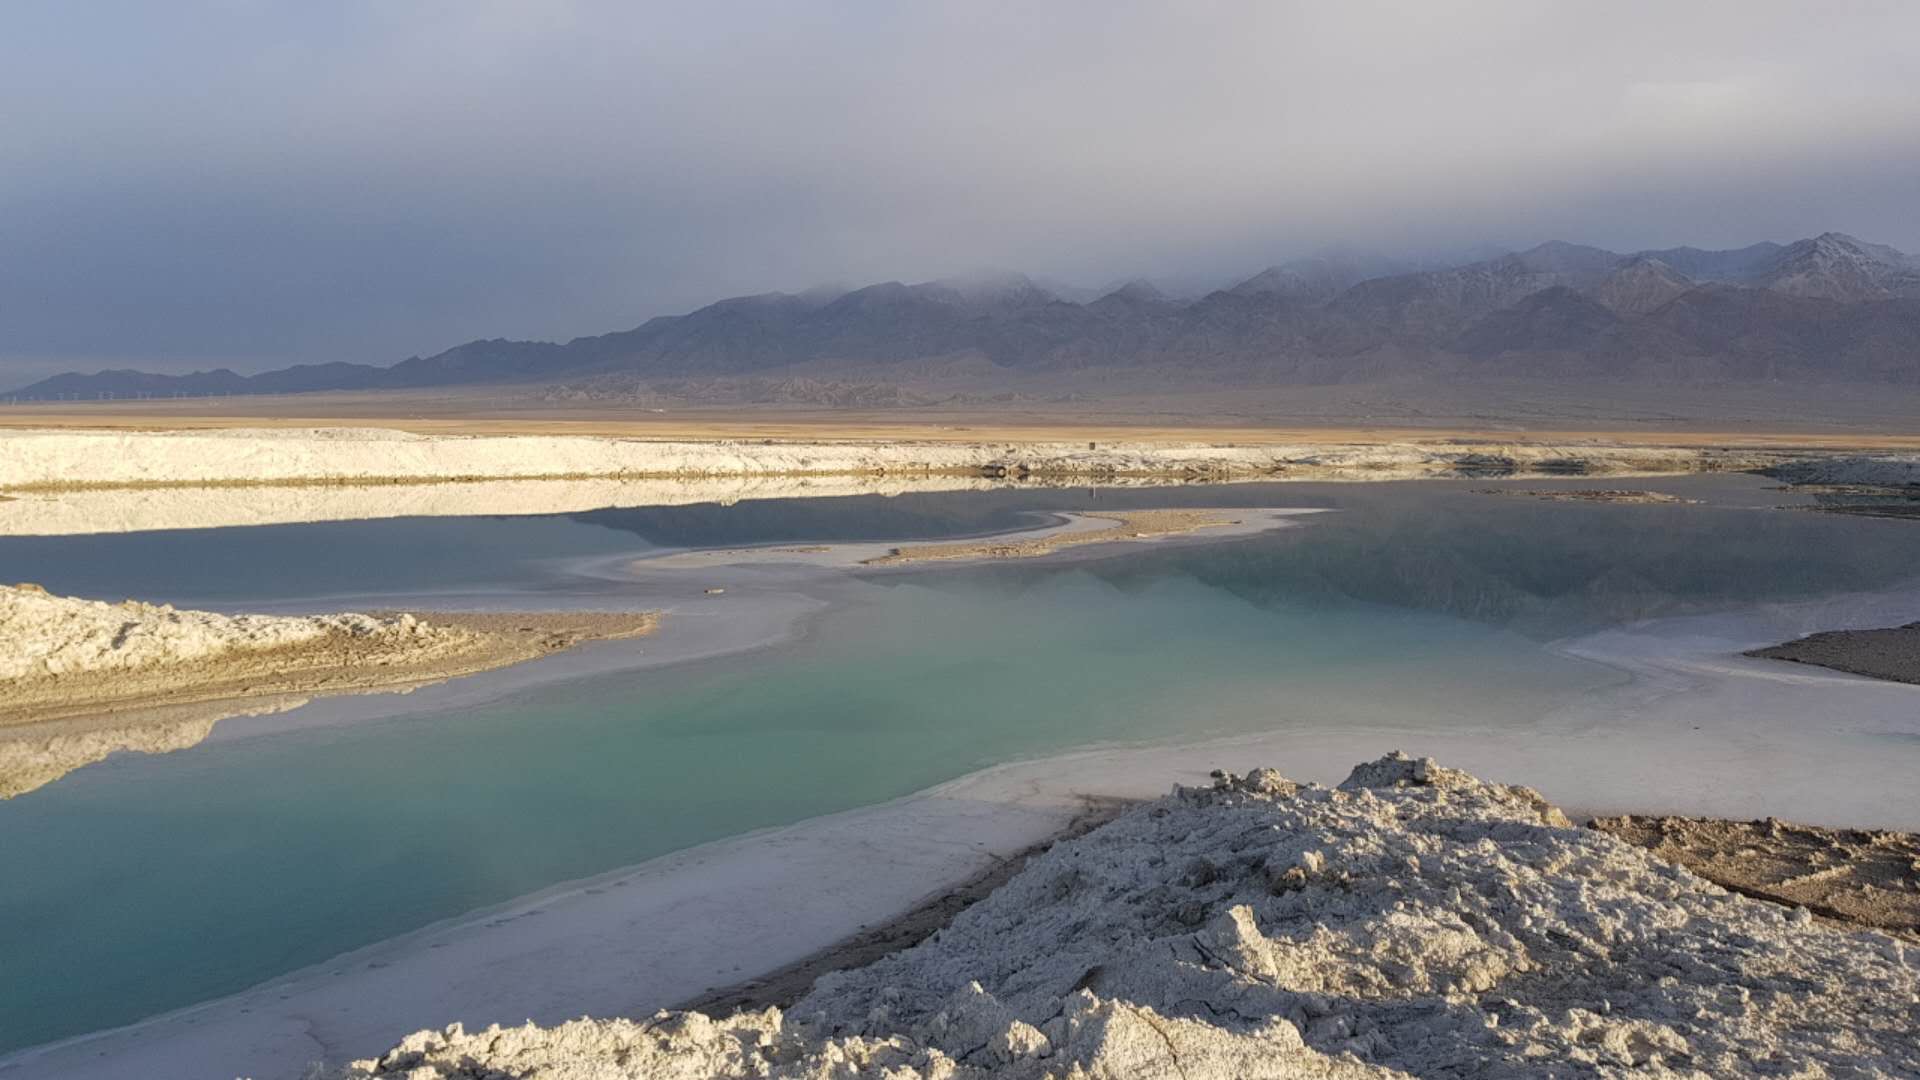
(61, 459)
(1413, 921)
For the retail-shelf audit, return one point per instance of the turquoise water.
(151, 882)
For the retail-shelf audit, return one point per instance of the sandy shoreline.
(1890, 427)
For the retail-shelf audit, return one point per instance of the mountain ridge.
(1826, 307)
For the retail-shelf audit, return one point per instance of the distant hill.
(1640, 285)
(1830, 308)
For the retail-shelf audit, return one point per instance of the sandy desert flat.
(855, 427)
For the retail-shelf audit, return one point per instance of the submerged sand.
(1596, 495)
(1412, 921)
(1128, 525)
(1892, 653)
(81, 679)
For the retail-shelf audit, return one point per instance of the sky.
(249, 183)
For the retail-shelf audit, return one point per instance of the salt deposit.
(67, 459)
(1414, 920)
(61, 482)
(48, 635)
(82, 679)
(139, 509)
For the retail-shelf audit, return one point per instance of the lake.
(147, 883)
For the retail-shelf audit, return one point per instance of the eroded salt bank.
(1415, 920)
(82, 679)
(48, 636)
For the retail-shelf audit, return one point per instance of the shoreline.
(851, 872)
(781, 987)
(53, 461)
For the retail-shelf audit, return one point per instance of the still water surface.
(149, 883)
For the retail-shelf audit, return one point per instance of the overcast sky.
(194, 184)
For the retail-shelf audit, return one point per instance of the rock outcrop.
(1412, 921)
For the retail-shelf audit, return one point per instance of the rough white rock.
(1414, 921)
(45, 636)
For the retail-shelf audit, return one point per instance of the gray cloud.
(253, 183)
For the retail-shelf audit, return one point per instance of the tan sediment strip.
(1862, 877)
(908, 471)
(1595, 495)
(1892, 653)
(1129, 525)
(51, 725)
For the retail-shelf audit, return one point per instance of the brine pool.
(147, 883)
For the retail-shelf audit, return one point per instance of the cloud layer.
(252, 183)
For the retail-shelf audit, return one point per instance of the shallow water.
(147, 883)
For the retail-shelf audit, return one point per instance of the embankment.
(58, 460)
(1413, 921)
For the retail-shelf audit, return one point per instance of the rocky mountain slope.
(1829, 308)
(1414, 921)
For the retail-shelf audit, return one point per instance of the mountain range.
(1829, 308)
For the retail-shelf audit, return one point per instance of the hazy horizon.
(252, 185)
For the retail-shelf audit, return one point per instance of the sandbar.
(1128, 525)
(1593, 495)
